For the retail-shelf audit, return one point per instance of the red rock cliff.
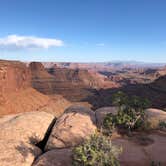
(14, 76)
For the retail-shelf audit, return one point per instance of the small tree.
(131, 114)
(96, 151)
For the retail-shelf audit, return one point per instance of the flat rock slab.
(137, 154)
(102, 112)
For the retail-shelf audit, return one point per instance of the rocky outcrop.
(72, 128)
(18, 136)
(23, 101)
(154, 117)
(159, 84)
(56, 80)
(41, 79)
(79, 77)
(57, 157)
(13, 77)
(66, 81)
(102, 112)
(17, 94)
(24, 136)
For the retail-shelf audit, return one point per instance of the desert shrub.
(109, 124)
(131, 114)
(96, 151)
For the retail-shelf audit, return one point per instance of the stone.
(72, 128)
(57, 157)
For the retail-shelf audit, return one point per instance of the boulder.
(72, 128)
(24, 126)
(17, 153)
(18, 136)
(102, 112)
(155, 116)
(57, 157)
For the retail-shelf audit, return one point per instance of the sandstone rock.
(132, 154)
(138, 153)
(41, 79)
(17, 153)
(75, 125)
(154, 116)
(18, 136)
(26, 125)
(58, 157)
(102, 112)
(157, 150)
(16, 93)
(14, 76)
(25, 100)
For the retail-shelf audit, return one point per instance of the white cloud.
(28, 42)
(100, 44)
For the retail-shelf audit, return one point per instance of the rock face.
(65, 81)
(18, 136)
(13, 77)
(56, 80)
(72, 128)
(58, 157)
(159, 84)
(41, 79)
(23, 101)
(155, 116)
(79, 77)
(17, 94)
(102, 112)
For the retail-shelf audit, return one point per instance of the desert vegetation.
(130, 115)
(97, 150)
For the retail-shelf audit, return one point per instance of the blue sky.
(83, 30)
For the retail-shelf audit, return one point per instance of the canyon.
(46, 109)
(55, 86)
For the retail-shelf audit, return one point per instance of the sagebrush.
(96, 151)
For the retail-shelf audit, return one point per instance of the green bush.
(109, 124)
(96, 151)
(131, 114)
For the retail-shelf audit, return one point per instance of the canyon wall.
(14, 76)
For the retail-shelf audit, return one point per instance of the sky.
(83, 30)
